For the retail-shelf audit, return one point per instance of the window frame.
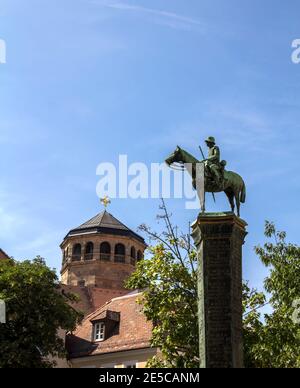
(112, 365)
(105, 254)
(89, 251)
(130, 364)
(120, 249)
(139, 255)
(101, 336)
(77, 252)
(120, 253)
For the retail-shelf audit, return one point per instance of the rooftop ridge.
(102, 308)
(90, 220)
(103, 219)
(103, 222)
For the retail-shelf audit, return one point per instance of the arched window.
(105, 251)
(89, 251)
(120, 253)
(133, 252)
(140, 256)
(64, 256)
(133, 255)
(76, 256)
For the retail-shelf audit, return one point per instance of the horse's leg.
(238, 202)
(230, 196)
(203, 204)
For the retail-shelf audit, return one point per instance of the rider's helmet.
(210, 140)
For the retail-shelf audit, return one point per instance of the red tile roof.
(132, 332)
(91, 298)
(101, 296)
(3, 255)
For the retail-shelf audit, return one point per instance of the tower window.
(89, 250)
(133, 252)
(76, 252)
(99, 332)
(120, 253)
(140, 256)
(105, 251)
(133, 255)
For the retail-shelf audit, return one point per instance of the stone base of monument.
(219, 238)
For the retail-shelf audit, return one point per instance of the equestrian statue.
(213, 175)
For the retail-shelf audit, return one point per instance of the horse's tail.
(243, 194)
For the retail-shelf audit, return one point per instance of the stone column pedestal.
(219, 238)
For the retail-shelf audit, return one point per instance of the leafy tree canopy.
(36, 310)
(274, 341)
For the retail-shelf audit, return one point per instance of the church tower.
(101, 253)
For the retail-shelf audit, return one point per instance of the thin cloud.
(166, 18)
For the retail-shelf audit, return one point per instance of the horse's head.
(174, 157)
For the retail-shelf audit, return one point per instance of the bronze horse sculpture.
(233, 185)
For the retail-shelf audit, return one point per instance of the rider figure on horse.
(216, 178)
(213, 162)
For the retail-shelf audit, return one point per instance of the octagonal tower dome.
(101, 253)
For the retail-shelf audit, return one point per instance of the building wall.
(115, 360)
(97, 273)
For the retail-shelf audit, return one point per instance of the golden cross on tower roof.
(105, 201)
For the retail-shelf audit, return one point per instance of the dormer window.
(105, 325)
(99, 332)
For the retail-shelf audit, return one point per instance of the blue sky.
(86, 81)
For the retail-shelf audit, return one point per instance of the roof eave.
(105, 231)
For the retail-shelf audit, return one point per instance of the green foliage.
(170, 301)
(169, 281)
(36, 310)
(276, 342)
(253, 301)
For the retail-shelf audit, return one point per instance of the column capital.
(217, 225)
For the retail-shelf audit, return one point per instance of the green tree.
(36, 309)
(169, 281)
(274, 342)
(253, 302)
